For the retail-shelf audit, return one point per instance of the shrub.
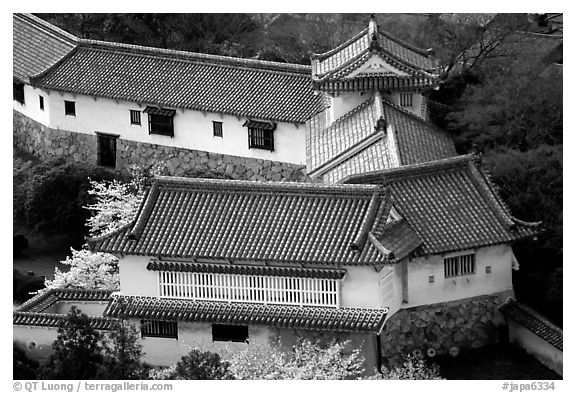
(122, 354)
(23, 367)
(202, 365)
(77, 350)
(414, 368)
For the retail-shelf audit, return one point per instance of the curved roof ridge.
(195, 56)
(423, 52)
(48, 27)
(350, 41)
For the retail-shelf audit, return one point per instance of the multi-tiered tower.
(375, 115)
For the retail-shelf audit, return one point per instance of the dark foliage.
(23, 367)
(49, 197)
(531, 184)
(20, 244)
(23, 286)
(202, 365)
(123, 354)
(77, 350)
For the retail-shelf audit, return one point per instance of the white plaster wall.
(95, 309)
(547, 354)
(167, 351)
(345, 102)
(35, 341)
(135, 279)
(360, 288)
(416, 107)
(421, 292)
(31, 107)
(192, 129)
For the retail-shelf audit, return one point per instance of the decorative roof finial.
(381, 124)
(373, 29)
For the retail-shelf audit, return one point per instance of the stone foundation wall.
(46, 143)
(458, 325)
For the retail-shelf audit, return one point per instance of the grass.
(502, 361)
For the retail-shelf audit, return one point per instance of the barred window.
(18, 92)
(135, 118)
(460, 265)
(161, 125)
(259, 138)
(405, 99)
(165, 329)
(217, 127)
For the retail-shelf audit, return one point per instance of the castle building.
(398, 244)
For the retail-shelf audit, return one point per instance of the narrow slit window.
(41, 102)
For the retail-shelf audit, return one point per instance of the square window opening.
(406, 99)
(234, 333)
(18, 92)
(160, 125)
(70, 108)
(135, 118)
(164, 329)
(217, 128)
(259, 138)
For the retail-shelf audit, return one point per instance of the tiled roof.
(351, 145)
(449, 204)
(245, 269)
(53, 320)
(309, 318)
(251, 221)
(398, 237)
(31, 313)
(250, 88)
(533, 321)
(37, 45)
(44, 300)
(337, 63)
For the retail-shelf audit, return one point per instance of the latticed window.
(460, 265)
(165, 329)
(160, 121)
(260, 134)
(406, 99)
(18, 92)
(259, 138)
(249, 288)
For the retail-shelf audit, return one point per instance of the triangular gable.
(376, 65)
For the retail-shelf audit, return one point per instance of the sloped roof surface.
(32, 312)
(37, 45)
(449, 204)
(533, 321)
(297, 317)
(256, 221)
(265, 90)
(416, 141)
